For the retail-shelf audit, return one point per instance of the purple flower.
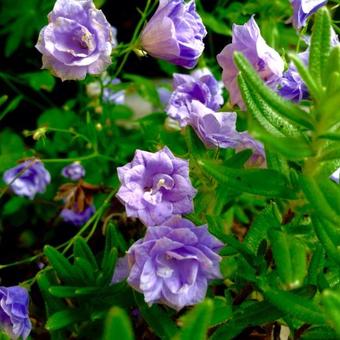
(335, 176)
(76, 217)
(121, 270)
(266, 61)
(78, 40)
(164, 95)
(175, 33)
(32, 178)
(258, 157)
(14, 319)
(214, 128)
(74, 171)
(200, 86)
(292, 86)
(303, 9)
(110, 95)
(155, 186)
(173, 263)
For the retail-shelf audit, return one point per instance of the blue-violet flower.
(175, 33)
(173, 263)
(155, 186)
(303, 9)
(32, 178)
(74, 171)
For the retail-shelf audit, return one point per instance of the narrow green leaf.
(294, 305)
(117, 325)
(82, 250)
(331, 302)
(333, 65)
(61, 265)
(157, 318)
(264, 182)
(320, 45)
(267, 219)
(108, 267)
(283, 107)
(222, 310)
(65, 318)
(195, 323)
(313, 88)
(84, 271)
(316, 265)
(12, 105)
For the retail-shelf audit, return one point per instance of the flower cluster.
(14, 319)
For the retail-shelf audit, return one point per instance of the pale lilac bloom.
(292, 87)
(77, 217)
(335, 176)
(74, 171)
(200, 86)
(121, 271)
(266, 61)
(175, 33)
(78, 40)
(109, 94)
(164, 95)
(155, 186)
(174, 262)
(33, 179)
(303, 9)
(14, 318)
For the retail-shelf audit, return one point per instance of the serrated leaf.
(117, 325)
(284, 108)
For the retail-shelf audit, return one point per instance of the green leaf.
(117, 325)
(331, 303)
(65, 318)
(12, 105)
(61, 265)
(82, 250)
(316, 265)
(267, 219)
(263, 182)
(318, 333)
(295, 306)
(157, 318)
(108, 267)
(42, 80)
(320, 45)
(284, 108)
(222, 310)
(195, 323)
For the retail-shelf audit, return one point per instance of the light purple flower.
(200, 86)
(267, 62)
(76, 217)
(74, 171)
(78, 40)
(155, 186)
(335, 176)
(303, 9)
(110, 95)
(32, 180)
(175, 33)
(218, 129)
(164, 95)
(173, 263)
(14, 318)
(121, 270)
(292, 87)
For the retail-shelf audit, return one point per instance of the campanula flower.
(174, 262)
(266, 61)
(77, 40)
(14, 318)
(175, 33)
(28, 178)
(200, 86)
(76, 216)
(74, 171)
(155, 186)
(303, 9)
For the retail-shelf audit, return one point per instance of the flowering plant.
(172, 171)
